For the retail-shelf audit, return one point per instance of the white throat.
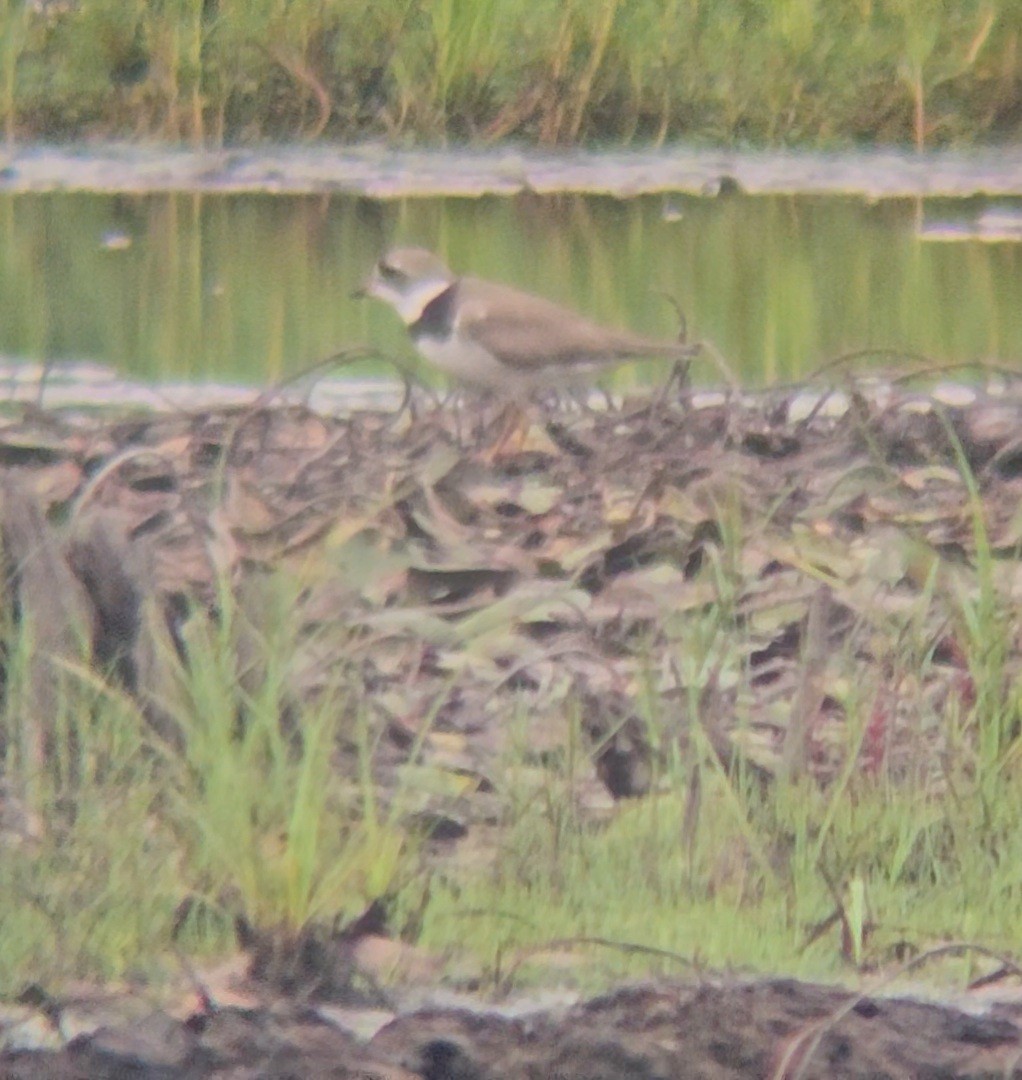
(413, 299)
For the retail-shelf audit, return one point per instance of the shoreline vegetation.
(797, 72)
(281, 682)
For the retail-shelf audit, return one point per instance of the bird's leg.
(450, 404)
(511, 436)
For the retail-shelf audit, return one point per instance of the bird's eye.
(390, 273)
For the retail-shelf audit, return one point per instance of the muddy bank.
(379, 172)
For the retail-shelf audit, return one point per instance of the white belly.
(470, 363)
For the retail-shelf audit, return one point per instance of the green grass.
(256, 800)
(717, 871)
(549, 72)
(149, 831)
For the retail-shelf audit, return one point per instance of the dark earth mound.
(773, 1030)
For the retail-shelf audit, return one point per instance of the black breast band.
(437, 317)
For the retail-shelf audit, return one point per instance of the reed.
(793, 71)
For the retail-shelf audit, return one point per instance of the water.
(253, 288)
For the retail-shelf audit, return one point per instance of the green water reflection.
(251, 288)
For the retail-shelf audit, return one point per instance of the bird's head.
(407, 279)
